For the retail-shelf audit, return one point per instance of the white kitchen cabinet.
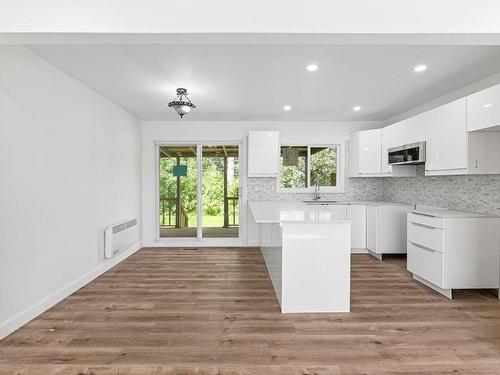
(453, 250)
(386, 142)
(368, 156)
(369, 151)
(446, 140)
(339, 211)
(365, 153)
(357, 214)
(263, 153)
(483, 109)
(386, 229)
(450, 148)
(483, 152)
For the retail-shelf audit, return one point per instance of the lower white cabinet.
(386, 229)
(357, 214)
(339, 211)
(453, 250)
(379, 227)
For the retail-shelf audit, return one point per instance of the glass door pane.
(220, 191)
(178, 191)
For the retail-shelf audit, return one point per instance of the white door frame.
(199, 240)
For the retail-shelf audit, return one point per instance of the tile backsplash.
(355, 189)
(476, 193)
(264, 188)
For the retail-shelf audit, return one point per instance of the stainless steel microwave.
(413, 153)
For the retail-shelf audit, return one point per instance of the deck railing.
(168, 219)
(167, 213)
(232, 206)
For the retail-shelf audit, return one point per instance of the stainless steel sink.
(320, 203)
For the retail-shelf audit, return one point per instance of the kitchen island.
(307, 254)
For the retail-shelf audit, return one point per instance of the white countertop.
(368, 203)
(290, 211)
(448, 213)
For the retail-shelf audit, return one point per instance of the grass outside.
(210, 221)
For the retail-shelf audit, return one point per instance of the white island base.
(308, 262)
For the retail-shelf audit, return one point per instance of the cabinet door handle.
(423, 225)
(422, 214)
(423, 247)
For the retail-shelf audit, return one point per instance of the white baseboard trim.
(196, 244)
(359, 251)
(10, 325)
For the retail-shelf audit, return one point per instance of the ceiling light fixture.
(181, 104)
(356, 108)
(312, 67)
(488, 105)
(420, 68)
(287, 108)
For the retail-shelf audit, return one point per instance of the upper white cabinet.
(370, 151)
(446, 137)
(483, 109)
(365, 153)
(263, 153)
(386, 142)
(368, 155)
(450, 147)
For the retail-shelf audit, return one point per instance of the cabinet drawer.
(427, 264)
(426, 236)
(431, 221)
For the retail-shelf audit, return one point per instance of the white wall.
(69, 166)
(197, 131)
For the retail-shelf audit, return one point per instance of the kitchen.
(250, 204)
(447, 249)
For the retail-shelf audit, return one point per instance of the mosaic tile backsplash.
(479, 193)
(264, 188)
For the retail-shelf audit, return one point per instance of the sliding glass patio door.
(220, 191)
(178, 203)
(199, 191)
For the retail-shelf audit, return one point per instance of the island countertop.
(290, 211)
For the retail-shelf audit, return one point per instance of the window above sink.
(304, 166)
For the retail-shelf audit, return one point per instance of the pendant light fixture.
(181, 104)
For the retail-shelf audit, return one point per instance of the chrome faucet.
(316, 195)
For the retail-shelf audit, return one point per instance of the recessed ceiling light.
(488, 105)
(312, 67)
(287, 108)
(356, 108)
(420, 68)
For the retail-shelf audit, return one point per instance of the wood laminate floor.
(213, 311)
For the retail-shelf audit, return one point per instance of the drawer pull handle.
(423, 225)
(423, 247)
(422, 214)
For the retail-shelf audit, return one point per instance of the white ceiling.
(254, 82)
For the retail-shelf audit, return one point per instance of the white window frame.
(199, 240)
(340, 188)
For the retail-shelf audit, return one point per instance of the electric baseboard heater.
(120, 237)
